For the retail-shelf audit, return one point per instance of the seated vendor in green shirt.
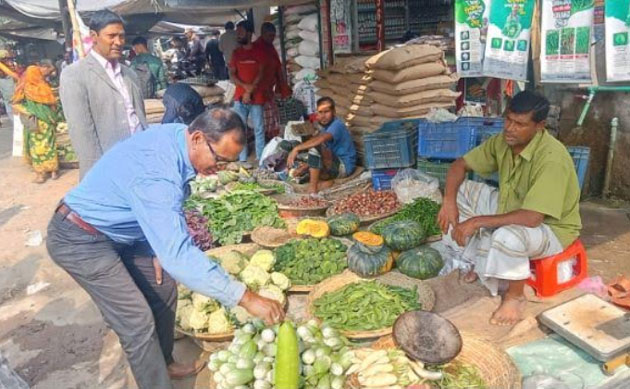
(533, 214)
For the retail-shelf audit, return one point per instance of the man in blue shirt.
(331, 153)
(127, 213)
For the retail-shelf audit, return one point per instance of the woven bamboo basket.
(425, 296)
(290, 212)
(495, 366)
(248, 249)
(271, 237)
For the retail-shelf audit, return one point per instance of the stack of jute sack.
(154, 109)
(409, 81)
(301, 39)
(211, 94)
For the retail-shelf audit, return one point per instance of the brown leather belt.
(73, 217)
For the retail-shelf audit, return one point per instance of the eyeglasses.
(217, 157)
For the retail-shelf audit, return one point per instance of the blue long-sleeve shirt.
(135, 192)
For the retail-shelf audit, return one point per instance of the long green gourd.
(287, 369)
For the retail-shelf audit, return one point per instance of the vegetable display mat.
(494, 365)
(348, 277)
(247, 249)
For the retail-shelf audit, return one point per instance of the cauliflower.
(241, 314)
(218, 322)
(182, 318)
(273, 292)
(202, 303)
(263, 258)
(233, 262)
(280, 280)
(183, 292)
(198, 320)
(254, 276)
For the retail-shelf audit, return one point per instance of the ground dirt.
(54, 337)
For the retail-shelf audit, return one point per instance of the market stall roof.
(207, 12)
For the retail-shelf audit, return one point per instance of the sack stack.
(348, 83)
(154, 109)
(409, 81)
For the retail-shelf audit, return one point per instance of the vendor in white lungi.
(533, 214)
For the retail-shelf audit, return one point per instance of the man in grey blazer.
(101, 97)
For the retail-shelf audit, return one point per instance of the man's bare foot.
(470, 277)
(178, 371)
(54, 175)
(39, 178)
(509, 312)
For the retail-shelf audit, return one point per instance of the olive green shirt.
(541, 178)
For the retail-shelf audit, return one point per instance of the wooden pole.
(76, 33)
(65, 23)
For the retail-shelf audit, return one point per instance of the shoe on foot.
(178, 371)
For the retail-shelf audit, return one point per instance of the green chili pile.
(365, 306)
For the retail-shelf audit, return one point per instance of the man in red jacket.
(247, 69)
(273, 78)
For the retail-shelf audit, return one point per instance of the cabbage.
(218, 322)
(254, 276)
(264, 258)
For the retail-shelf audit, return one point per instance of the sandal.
(619, 292)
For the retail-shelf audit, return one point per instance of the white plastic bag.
(307, 61)
(309, 48)
(309, 23)
(309, 36)
(269, 149)
(306, 74)
(305, 92)
(440, 115)
(409, 184)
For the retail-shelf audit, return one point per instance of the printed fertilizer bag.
(509, 31)
(471, 27)
(566, 41)
(617, 40)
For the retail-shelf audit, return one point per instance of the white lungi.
(502, 253)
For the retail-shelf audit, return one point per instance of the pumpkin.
(314, 228)
(421, 262)
(403, 235)
(344, 224)
(368, 238)
(369, 261)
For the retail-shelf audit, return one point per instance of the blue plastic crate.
(382, 178)
(448, 140)
(486, 127)
(392, 146)
(580, 157)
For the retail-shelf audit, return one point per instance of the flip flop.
(199, 366)
(619, 292)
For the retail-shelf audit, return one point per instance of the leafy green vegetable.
(236, 213)
(309, 261)
(423, 211)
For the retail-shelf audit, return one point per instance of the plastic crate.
(436, 168)
(580, 157)
(448, 140)
(382, 178)
(392, 146)
(486, 127)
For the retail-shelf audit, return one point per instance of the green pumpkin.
(403, 235)
(421, 262)
(366, 261)
(344, 224)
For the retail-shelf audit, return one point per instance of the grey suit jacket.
(95, 110)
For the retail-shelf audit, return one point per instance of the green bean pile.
(365, 306)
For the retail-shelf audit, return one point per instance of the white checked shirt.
(115, 74)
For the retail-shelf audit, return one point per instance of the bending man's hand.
(463, 231)
(291, 158)
(269, 310)
(448, 216)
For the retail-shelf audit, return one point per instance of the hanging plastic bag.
(409, 184)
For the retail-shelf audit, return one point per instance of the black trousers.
(120, 279)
